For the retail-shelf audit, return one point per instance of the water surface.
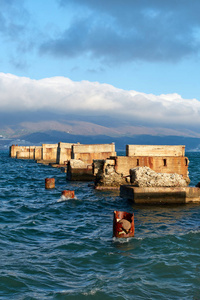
(65, 250)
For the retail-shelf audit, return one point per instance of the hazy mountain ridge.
(87, 128)
(38, 129)
(120, 142)
(52, 136)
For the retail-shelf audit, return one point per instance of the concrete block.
(154, 150)
(88, 153)
(160, 195)
(64, 152)
(78, 170)
(49, 152)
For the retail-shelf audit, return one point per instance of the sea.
(53, 248)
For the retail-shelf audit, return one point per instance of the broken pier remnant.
(160, 195)
(146, 177)
(78, 170)
(80, 167)
(115, 171)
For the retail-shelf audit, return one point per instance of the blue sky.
(147, 46)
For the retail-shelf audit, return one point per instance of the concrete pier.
(80, 167)
(88, 153)
(155, 150)
(160, 195)
(100, 161)
(77, 170)
(64, 153)
(115, 171)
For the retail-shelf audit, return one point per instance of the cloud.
(130, 30)
(18, 34)
(64, 96)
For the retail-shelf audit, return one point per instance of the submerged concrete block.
(78, 170)
(160, 195)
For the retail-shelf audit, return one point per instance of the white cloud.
(62, 95)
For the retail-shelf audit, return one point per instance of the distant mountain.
(86, 127)
(120, 142)
(38, 128)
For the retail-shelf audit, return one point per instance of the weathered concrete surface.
(161, 195)
(64, 153)
(78, 170)
(49, 152)
(22, 152)
(155, 150)
(116, 170)
(159, 164)
(38, 153)
(26, 152)
(146, 177)
(88, 153)
(106, 175)
(15, 148)
(44, 162)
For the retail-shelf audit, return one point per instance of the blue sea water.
(52, 249)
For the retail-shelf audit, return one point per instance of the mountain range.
(51, 128)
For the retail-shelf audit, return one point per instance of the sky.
(136, 59)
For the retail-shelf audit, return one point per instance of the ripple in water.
(55, 249)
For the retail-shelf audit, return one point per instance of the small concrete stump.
(49, 183)
(123, 224)
(68, 194)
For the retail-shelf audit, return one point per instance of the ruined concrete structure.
(38, 153)
(80, 167)
(146, 177)
(160, 195)
(88, 153)
(79, 170)
(49, 153)
(162, 159)
(66, 155)
(100, 162)
(24, 152)
(152, 150)
(107, 176)
(84, 162)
